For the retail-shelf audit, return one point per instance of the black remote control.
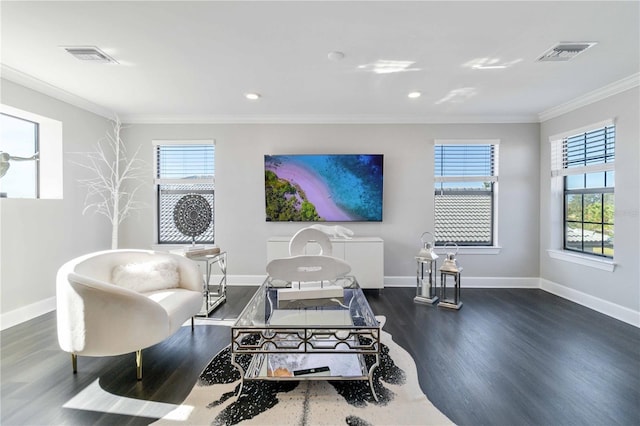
(310, 371)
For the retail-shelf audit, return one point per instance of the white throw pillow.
(147, 276)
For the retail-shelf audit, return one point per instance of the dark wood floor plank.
(508, 357)
(519, 357)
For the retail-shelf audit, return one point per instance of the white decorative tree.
(116, 179)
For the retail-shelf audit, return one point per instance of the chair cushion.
(179, 303)
(147, 276)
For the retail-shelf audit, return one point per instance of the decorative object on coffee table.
(426, 259)
(192, 216)
(450, 268)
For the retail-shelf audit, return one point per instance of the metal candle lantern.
(450, 268)
(426, 258)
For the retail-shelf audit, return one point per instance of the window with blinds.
(181, 168)
(586, 164)
(465, 179)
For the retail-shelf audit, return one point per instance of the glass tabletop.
(332, 304)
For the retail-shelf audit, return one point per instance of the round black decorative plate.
(192, 215)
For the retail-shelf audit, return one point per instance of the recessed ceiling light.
(252, 96)
(335, 56)
(414, 95)
(89, 53)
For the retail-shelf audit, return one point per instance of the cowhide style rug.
(401, 401)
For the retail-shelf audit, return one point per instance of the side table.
(213, 294)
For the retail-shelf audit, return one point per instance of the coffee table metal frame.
(253, 336)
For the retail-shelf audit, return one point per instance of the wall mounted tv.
(323, 188)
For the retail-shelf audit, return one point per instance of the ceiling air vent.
(89, 53)
(565, 51)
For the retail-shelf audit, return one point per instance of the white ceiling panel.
(194, 61)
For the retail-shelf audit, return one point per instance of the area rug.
(213, 400)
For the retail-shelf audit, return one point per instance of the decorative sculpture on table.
(192, 216)
(334, 231)
(450, 268)
(426, 286)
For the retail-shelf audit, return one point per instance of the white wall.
(242, 231)
(622, 286)
(37, 236)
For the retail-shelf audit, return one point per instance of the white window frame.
(157, 181)
(484, 249)
(556, 211)
(50, 183)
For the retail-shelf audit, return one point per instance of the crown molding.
(30, 82)
(591, 97)
(36, 84)
(323, 119)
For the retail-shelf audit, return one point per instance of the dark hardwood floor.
(508, 357)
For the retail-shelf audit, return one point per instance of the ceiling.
(194, 61)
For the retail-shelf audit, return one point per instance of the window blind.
(188, 161)
(586, 152)
(465, 163)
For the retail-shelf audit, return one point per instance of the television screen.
(329, 188)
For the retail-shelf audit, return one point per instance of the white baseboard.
(472, 282)
(404, 281)
(629, 316)
(604, 307)
(17, 316)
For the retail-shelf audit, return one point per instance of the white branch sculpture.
(116, 180)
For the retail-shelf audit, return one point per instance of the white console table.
(364, 254)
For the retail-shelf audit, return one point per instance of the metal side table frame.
(213, 294)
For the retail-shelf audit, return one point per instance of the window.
(466, 178)
(19, 139)
(31, 155)
(183, 167)
(585, 163)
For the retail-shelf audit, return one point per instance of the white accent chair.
(100, 313)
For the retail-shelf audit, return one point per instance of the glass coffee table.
(334, 337)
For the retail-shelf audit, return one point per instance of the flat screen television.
(323, 187)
